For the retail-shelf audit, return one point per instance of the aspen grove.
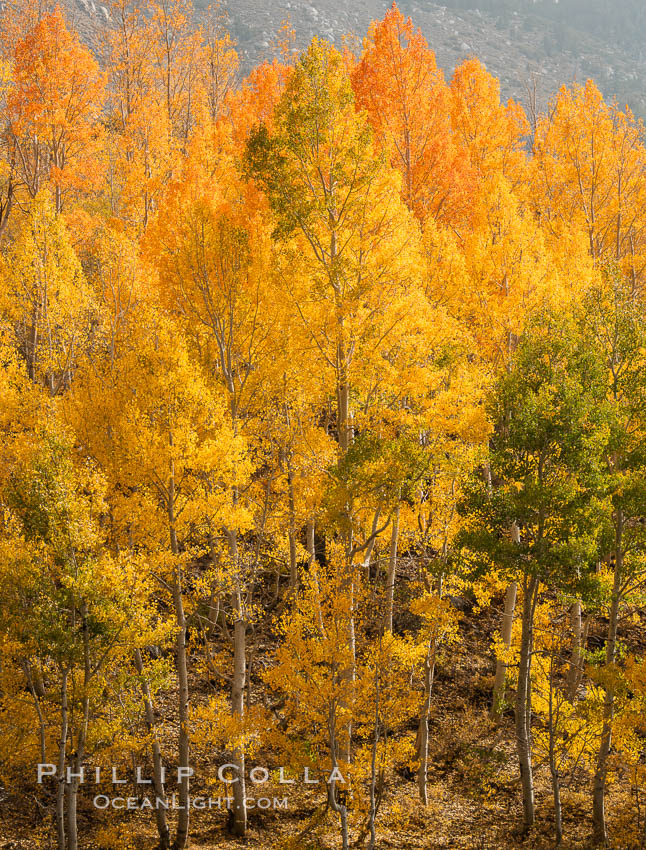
(323, 445)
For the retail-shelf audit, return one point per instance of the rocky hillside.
(525, 44)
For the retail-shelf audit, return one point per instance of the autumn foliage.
(302, 372)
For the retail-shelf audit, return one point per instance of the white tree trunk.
(501, 667)
(62, 750)
(523, 703)
(576, 658)
(507, 623)
(422, 732)
(336, 806)
(158, 784)
(392, 572)
(239, 821)
(181, 834)
(599, 785)
(293, 567)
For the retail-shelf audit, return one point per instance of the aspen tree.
(46, 299)
(152, 418)
(399, 84)
(54, 108)
(70, 607)
(587, 167)
(614, 305)
(545, 464)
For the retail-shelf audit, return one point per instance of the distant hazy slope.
(519, 40)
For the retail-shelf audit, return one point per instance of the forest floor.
(474, 794)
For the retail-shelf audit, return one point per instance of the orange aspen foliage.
(403, 91)
(154, 62)
(8, 164)
(18, 18)
(218, 65)
(54, 108)
(228, 113)
(126, 57)
(491, 133)
(174, 46)
(255, 101)
(139, 139)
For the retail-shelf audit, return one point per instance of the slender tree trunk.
(554, 771)
(392, 571)
(183, 741)
(336, 806)
(501, 667)
(556, 792)
(237, 705)
(352, 672)
(344, 411)
(310, 544)
(293, 568)
(73, 784)
(372, 813)
(62, 749)
(4, 219)
(344, 414)
(39, 686)
(576, 659)
(599, 787)
(58, 195)
(345, 436)
(158, 782)
(584, 643)
(72, 798)
(239, 819)
(32, 345)
(313, 569)
(367, 555)
(422, 733)
(39, 711)
(507, 623)
(181, 834)
(523, 702)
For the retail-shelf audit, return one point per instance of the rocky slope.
(524, 47)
